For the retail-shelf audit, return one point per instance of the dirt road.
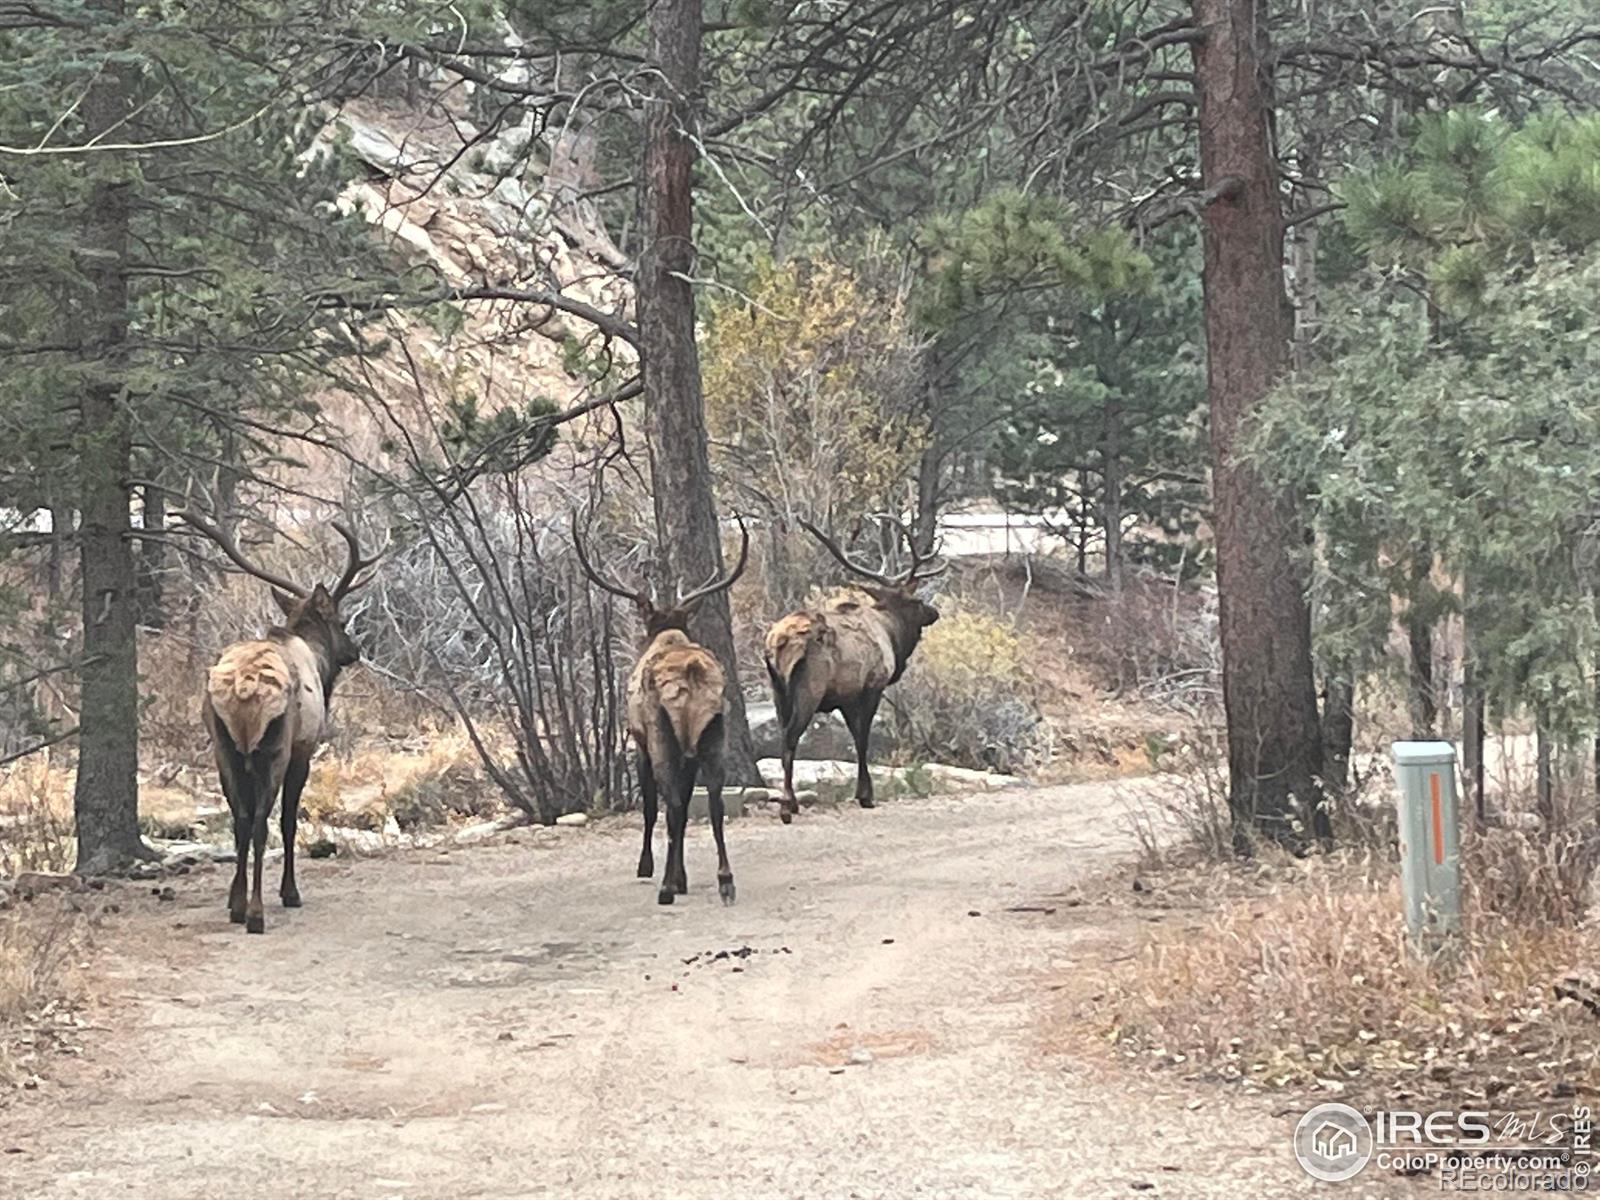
(519, 1020)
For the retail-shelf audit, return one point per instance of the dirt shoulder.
(521, 1019)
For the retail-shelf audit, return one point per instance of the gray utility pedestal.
(1430, 840)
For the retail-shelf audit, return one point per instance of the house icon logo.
(1333, 1142)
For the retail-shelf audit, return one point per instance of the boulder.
(733, 802)
(827, 737)
(843, 772)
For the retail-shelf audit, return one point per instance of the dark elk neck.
(316, 637)
(903, 636)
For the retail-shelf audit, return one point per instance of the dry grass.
(39, 944)
(969, 697)
(36, 817)
(1300, 976)
(1278, 972)
(427, 784)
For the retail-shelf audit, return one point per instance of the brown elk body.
(840, 655)
(265, 707)
(676, 717)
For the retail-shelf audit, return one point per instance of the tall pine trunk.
(1423, 700)
(1274, 741)
(930, 467)
(1338, 727)
(106, 797)
(1338, 685)
(675, 421)
(152, 560)
(1111, 497)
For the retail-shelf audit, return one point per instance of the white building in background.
(14, 520)
(967, 534)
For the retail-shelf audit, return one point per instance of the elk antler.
(717, 585)
(354, 564)
(910, 577)
(914, 574)
(600, 581)
(844, 559)
(231, 548)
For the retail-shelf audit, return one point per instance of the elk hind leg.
(801, 707)
(685, 790)
(294, 782)
(236, 786)
(266, 777)
(677, 818)
(712, 775)
(666, 758)
(647, 790)
(859, 718)
(243, 817)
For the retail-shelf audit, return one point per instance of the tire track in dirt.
(518, 1019)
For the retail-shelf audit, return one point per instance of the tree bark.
(1545, 776)
(152, 561)
(1423, 699)
(930, 468)
(1596, 753)
(1303, 243)
(1274, 740)
(1111, 498)
(1473, 712)
(1338, 728)
(60, 528)
(106, 795)
(1339, 688)
(675, 423)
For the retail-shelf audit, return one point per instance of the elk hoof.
(725, 890)
(666, 896)
(866, 802)
(785, 814)
(291, 899)
(647, 869)
(236, 916)
(256, 924)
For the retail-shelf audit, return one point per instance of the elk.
(840, 655)
(265, 706)
(676, 719)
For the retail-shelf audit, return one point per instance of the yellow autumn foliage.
(967, 697)
(967, 649)
(810, 384)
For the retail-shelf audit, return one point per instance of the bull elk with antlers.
(841, 654)
(675, 710)
(266, 708)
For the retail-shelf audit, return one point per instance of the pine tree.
(167, 211)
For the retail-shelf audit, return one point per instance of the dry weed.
(35, 817)
(427, 785)
(968, 697)
(1303, 977)
(38, 948)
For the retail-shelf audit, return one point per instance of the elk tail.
(248, 697)
(793, 711)
(780, 693)
(680, 767)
